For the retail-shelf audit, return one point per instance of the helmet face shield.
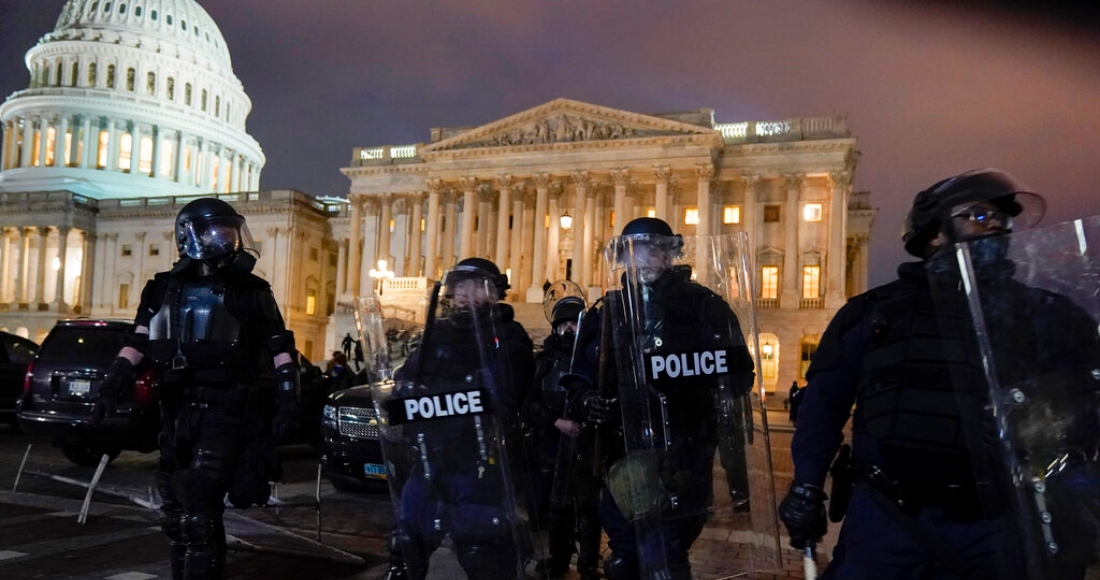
(213, 237)
(644, 257)
(466, 292)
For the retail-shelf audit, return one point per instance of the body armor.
(194, 330)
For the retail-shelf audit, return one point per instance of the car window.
(81, 344)
(20, 351)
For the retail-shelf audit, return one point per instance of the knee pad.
(197, 528)
(617, 567)
(213, 457)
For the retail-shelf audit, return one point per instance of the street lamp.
(380, 274)
(566, 221)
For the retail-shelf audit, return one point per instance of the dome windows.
(171, 88)
(91, 74)
(151, 83)
(169, 20)
(106, 7)
(130, 73)
(153, 14)
(137, 11)
(122, 8)
(183, 24)
(110, 76)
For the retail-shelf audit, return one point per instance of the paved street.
(40, 536)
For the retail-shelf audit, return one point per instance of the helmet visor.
(207, 238)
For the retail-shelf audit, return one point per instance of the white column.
(341, 267)
(524, 258)
(704, 171)
(662, 173)
(352, 282)
(417, 201)
(61, 150)
(505, 182)
(580, 199)
(91, 143)
(28, 142)
(515, 261)
(432, 229)
(836, 260)
(587, 239)
(62, 247)
(538, 256)
(155, 136)
(383, 252)
(484, 219)
(448, 252)
(466, 247)
(42, 140)
(40, 279)
(621, 178)
(553, 237)
(789, 296)
(87, 270)
(179, 174)
(25, 265)
(6, 276)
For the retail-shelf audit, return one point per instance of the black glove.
(803, 512)
(594, 408)
(286, 402)
(118, 376)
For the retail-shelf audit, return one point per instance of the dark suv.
(16, 354)
(349, 448)
(61, 390)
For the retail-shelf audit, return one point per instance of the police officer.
(679, 316)
(455, 485)
(930, 498)
(567, 491)
(211, 327)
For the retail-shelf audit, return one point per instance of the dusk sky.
(927, 91)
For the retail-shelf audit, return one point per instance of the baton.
(809, 565)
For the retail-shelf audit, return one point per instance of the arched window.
(107, 7)
(110, 76)
(130, 79)
(122, 8)
(125, 151)
(227, 111)
(806, 348)
(151, 83)
(187, 94)
(183, 24)
(171, 88)
(217, 106)
(57, 79)
(169, 20)
(91, 74)
(75, 75)
(101, 152)
(769, 359)
(153, 14)
(137, 11)
(203, 102)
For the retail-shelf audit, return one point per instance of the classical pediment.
(567, 121)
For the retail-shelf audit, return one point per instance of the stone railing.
(799, 129)
(811, 303)
(384, 155)
(404, 283)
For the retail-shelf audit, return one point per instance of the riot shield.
(449, 427)
(1034, 301)
(697, 467)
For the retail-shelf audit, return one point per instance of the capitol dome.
(130, 98)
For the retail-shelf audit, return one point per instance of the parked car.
(61, 388)
(349, 446)
(16, 354)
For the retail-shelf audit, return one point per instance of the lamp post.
(566, 221)
(380, 274)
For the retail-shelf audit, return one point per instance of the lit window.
(392, 223)
(611, 219)
(769, 282)
(812, 212)
(123, 295)
(127, 250)
(650, 213)
(101, 154)
(125, 150)
(731, 214)
(69, 146)
(691, 216)
(311, 301)
(811, 281)
(808, 349)
(154, 250)
(145, 160)
(51, 144)
(422, 224)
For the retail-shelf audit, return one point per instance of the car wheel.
(88, 456)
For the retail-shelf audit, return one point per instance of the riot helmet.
(1015, 207)
(647, 248)
(210, 230)
(474, 282)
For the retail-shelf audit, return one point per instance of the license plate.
(374, 470)
(79, 387)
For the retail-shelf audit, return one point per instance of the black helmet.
(478, 268)
(567, 309)
(210, 229)
(930, 207)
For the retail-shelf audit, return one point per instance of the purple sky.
(928, 91)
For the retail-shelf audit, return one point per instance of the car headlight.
(328, 417)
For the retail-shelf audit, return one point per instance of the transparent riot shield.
(697, 466)
(1034, 301)
(449, 428)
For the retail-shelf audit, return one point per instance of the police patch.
(442, 406)
(665, 367)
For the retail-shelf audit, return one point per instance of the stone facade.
(540, 193)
